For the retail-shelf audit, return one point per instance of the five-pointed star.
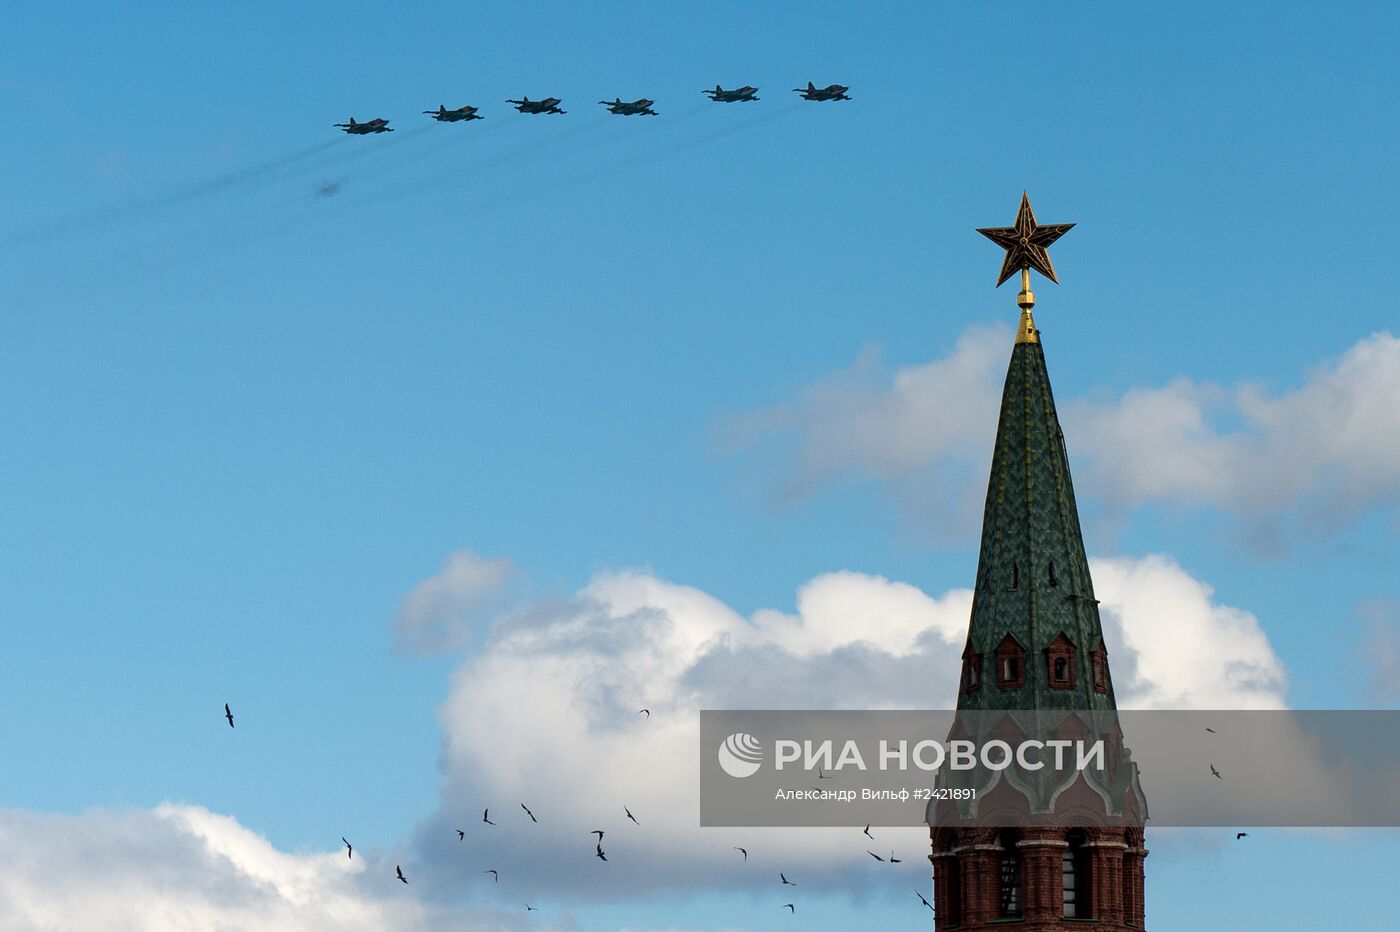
(1026, 242)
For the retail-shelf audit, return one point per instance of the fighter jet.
(742, 94)
(361, 129)
(640, 107)
(830, 92)
(548, 105)
(443, 115)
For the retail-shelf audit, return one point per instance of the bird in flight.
(399, 870)
(1211, 730)
(630, 815)
(349, 851)
(893, 859)
(783, 878)
(867, 832)
(599, 852)
(228, 715)
(1239, 835)
(531, 909)
(791, 907)
(821, 775)
(493, 874)
(460, 834)
(924, 901)
(744, 852)
(599, 833)
(646, 712)
(529, 813)
(875, 856)
(1215, 772)
(484, 814)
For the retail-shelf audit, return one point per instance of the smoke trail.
(169, 199)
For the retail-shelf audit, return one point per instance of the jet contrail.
(179, 196)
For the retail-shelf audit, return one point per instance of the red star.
(1025, 243)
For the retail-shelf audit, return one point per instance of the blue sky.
(242, 421)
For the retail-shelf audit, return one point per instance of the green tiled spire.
(1033, 581)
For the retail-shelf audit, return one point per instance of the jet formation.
(642, 106)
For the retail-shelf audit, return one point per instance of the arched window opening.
(1009, 900)
(1010, 669)
(1059, 662)
(1075, 874)
(1054, 580)
(1098, 665)
(951, 911)
(1015, 576)
(972, 672)
(1009, 663)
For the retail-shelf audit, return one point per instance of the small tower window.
(1074, 869)
(1009, 663)
(987, 581)
(972, 672)
(951, 907)
(1054, 580)
(1098, 664)
(1009, 900)
(1059, 662)
(1015, 576)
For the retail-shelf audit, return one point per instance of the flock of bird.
(617, 106)
(602, 855)
(598, 851)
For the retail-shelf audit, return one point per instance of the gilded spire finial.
(1026, 248)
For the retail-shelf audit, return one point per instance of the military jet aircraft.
(641, 107)
(742, 94)
(548, 105)
(361, 129)
(830, 92)
(443, 115)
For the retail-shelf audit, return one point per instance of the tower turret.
(1035, 649)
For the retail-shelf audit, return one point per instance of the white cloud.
(923, 429)
(185, 869)
(547, 713)
(1320, 455)
(1175, 647)
(437, 614)
(1323, 453)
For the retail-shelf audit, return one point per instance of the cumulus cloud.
(438, 613)
(923, 429)
(1324, 453)
(547, 711)
(1173, 647)
(1318, 456)
(185, 869)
